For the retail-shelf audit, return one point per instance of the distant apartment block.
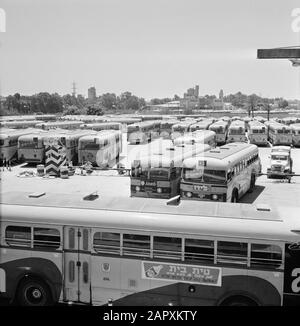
(92, 94)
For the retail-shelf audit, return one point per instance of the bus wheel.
(32, 292)
(252, 183)
(234, 196)
(239, 301)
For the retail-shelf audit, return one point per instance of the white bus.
(296, 134)
(201, 125)
(257, 133)
(135, 251)
(59, 124)
(200, 136)
(102, 126)
(225, 173)
(237, 132)
(101, 149)
(165, 130)
(179, 129)
(279, 134)
(221, 129)
(143, 132)
(157, 175)
(20, 124)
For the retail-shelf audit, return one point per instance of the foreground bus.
(257, 133)
(279, 134)
(296, 134)
(197, 137)
(237, 132)
(101, 149)
(134, 251)
(143, 132)
(9, 142)
(225, 173)
(221, 129)
(157, 175)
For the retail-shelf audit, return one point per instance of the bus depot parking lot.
(276, 192)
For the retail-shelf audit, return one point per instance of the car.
(281, 163)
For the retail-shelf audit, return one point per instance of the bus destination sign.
(182, 273)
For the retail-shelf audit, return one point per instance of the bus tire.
(252, 183)
(239, 300)
(33, 292)
(234, 196)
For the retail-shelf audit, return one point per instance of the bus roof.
(220, 157)
(145, 214)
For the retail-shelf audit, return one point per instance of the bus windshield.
(279, 157)
(90, 146)
(208, 176)
(159, 174)
(139, 173)
(28, 144)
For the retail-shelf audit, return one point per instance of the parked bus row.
(60, 248)
(98, 147)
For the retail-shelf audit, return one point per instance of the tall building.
(221, 95)
(92, 94)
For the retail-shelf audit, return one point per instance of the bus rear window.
(46, 238)
(199, 250)
(167, 248)
(136, 245)
(90, 146)
(107, 242)
(18, 236)
(139, 173)
(265, 255)
(159, 174)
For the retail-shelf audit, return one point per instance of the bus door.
(292, 274)
(77, 262)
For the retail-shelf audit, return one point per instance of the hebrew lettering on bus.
(182, 273)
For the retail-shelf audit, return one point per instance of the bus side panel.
(41, 268)
(292, 275)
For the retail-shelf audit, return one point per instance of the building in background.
(92, 94)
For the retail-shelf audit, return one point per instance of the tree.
(108, 101)
(94, 109)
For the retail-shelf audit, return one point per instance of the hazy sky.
(153, 48)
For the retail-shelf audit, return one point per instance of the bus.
(225, 173)
(20, 124)
(201, 125)
(102, 126)
(157, 175)
(179, 129)
(197, 137)
(279, 134)
(143, 132)
(236, 132)
(296, 134)
(258, 133)
(142, 252)
(9, 143)
(221, 129)
(166, 128)
(59, 124)
(100, 149)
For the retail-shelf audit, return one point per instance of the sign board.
(182, 273)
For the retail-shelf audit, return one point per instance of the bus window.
(85, 272)
(199, 250)
(265, 255)
(85, 239)
(167, 248)
(2, 142)
(71, 271)
(136, 245)
(107, 242)
(232, 252)
(159, 174)
(18, 236)
(71, 238)
(139, 173)
(46, 238)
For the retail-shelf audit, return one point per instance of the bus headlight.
(137, 188)
(215, 197)
(159, 190)
(189, 194)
